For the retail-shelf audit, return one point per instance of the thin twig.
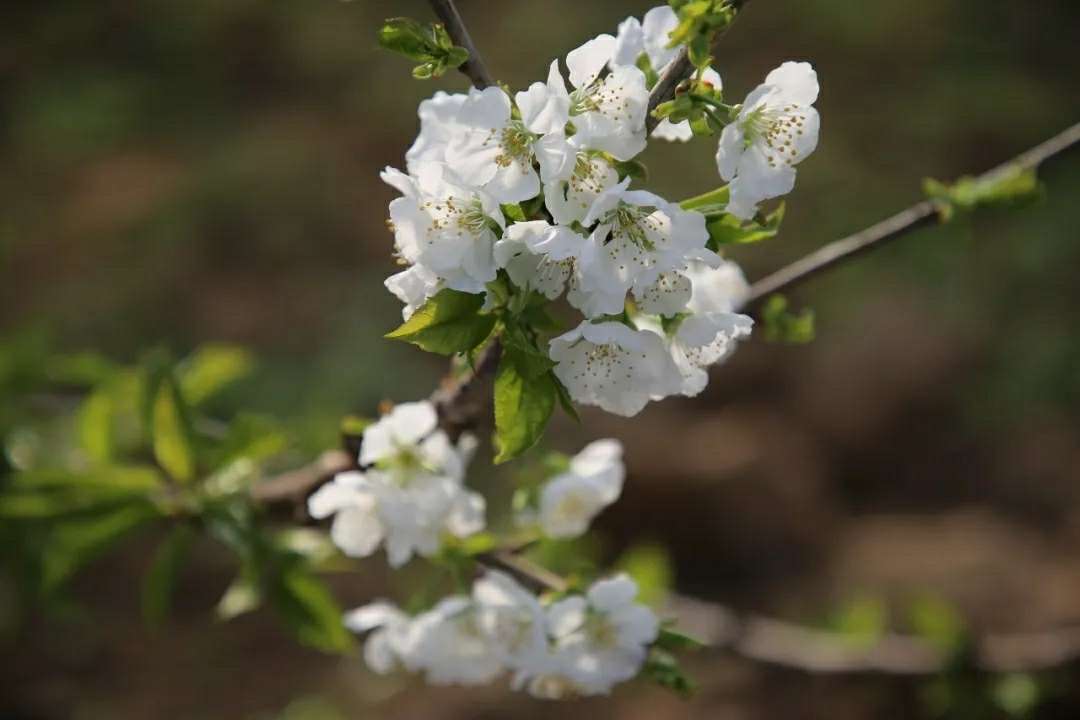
(473, 68)
(677, 70)
(919, 215)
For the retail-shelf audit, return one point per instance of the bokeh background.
(180, 173)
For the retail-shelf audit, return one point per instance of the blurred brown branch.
(919, 215)
(473, 68)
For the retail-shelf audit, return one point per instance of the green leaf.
(565, 401)
(58, 493)
(448, 323)
(782, 325)
(172, 433)
(523, 403)
(513, 212)
(74, 543)
(1010, 187)
(309, 609)
(94, 426)
(718, 197)
(242, 596)
(160, 580)
(650, 567)
(938, 622)
(407, 37)
(727, 229)
(250, 437)
(211, 369)
(662, 668)
(631, 169)
(862, 621)
(675, 641)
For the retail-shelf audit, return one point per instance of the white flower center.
(602, 96)
(515, 143)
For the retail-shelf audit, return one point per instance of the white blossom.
(613, 366)
(608, 113)
(708, 332)
(445, 226)
(638, 236)
(411, 493)
(413, 286)
(570, 500)
(539, 256)
(513, 620)
(438, 126)
(775, 130)
(493, 150)
(569, 199)
(601, 639)
(391, 641)
(451, 646)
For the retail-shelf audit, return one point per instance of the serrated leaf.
(565, 401)
(523, 404)
(172, 441)
(160, 579)
(309, 609)
(211, 369)
(447, 324)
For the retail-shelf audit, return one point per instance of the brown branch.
(473, 68)
(919, 215)
(677, 70)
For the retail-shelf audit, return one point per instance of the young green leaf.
(718, 197)
(172, 440)
(726, 229)
(95, 426)
(662, 668)
(160, 580)
(1014, 186)
(524, 401)
(448, 323)
(211, 369)
(309, 609)
(781, 325)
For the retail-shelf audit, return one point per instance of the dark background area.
(178, 173)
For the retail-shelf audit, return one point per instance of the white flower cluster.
(577, 645)
(568, 502)
(658, 305)
(408, 495)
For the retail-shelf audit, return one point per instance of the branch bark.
(677, 70)
(473, 68)
(919, 215)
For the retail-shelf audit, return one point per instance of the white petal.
(514, 183)
(566, 616)
(797, 80)
(357, 531)
(374, 614)
(730, 151)
(667, 295)
(545, 107)
(656, 26)
(612, 593)
(629, 42)
(673, 132)
(586, 61)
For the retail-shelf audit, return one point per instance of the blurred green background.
(182, 173)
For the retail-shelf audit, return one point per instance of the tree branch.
(473, 68)
(678, 70)
(919, 215)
